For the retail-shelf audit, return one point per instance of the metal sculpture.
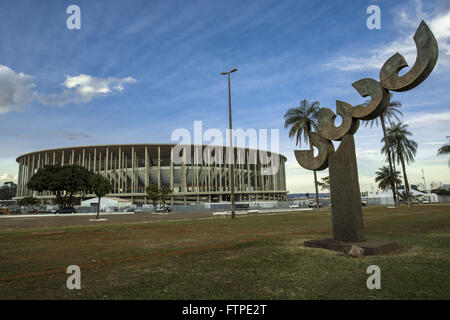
(344, 186)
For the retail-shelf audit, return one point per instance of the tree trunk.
(98, 209)
(405, 178)
(391, 172)
(396, 186)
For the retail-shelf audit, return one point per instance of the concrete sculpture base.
(370, 246)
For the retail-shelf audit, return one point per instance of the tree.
(8, 190)
(164, 194)
(301, 121)
(383, 178)
(404, 148)
(445, 149)
(100, 186)
(391, 113)
(153, 193)
(68, 183)
(28, 201)
(441, 192)
(325, 184)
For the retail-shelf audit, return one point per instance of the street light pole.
(233, 207)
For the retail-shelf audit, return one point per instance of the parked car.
(16, 211)
(66, 210)
(160, 208)
(314, 205)
(363, 203)
(33, 211)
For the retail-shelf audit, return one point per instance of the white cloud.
(7, 177)
(368, 152)
(429, 119)
(375, 58)
(16, 90)
(83, 88)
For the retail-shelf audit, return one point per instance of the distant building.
(132, 167)
(106, 203)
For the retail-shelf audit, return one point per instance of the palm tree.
(445, 149)
(301, 121)
(384, 178)
(404, 148)
(392, 112)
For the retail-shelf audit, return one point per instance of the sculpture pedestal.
(370, 246)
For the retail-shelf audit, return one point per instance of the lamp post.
(233, 208)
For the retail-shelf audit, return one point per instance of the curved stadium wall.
(131, 167)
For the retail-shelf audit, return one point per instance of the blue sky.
(137, 70)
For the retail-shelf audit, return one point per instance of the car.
(314, 205)
(294, 205)
(33, 211)
(363, 203)
(160, 208)
(66, 210)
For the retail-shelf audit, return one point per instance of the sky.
(138, 70)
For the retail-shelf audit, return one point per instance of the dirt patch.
(48, 233)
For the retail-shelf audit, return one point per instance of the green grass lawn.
(252, 257)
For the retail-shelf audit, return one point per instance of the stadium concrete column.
(106, 163)
(95, 160)
(171, 170)
(146, 170)
(171, 175)
(183, 174)
(119, 171)
(136, 172)
(31, 173)
(159, 167)
(132, 170)
(19, 180)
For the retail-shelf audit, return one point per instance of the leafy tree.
(301, 121)
(27, 201)
(8, 191)
(404, 148)
(391, 113)
(100, 186)
(68, 183)
(384, 179)
(325, 184)
(153, 193)
(441, 192)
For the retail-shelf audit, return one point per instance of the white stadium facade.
(132, 167)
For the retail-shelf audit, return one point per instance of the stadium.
(132, 167)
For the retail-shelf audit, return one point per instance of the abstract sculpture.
(345, 195)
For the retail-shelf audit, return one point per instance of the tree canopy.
(8, 191)
(68, 183)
